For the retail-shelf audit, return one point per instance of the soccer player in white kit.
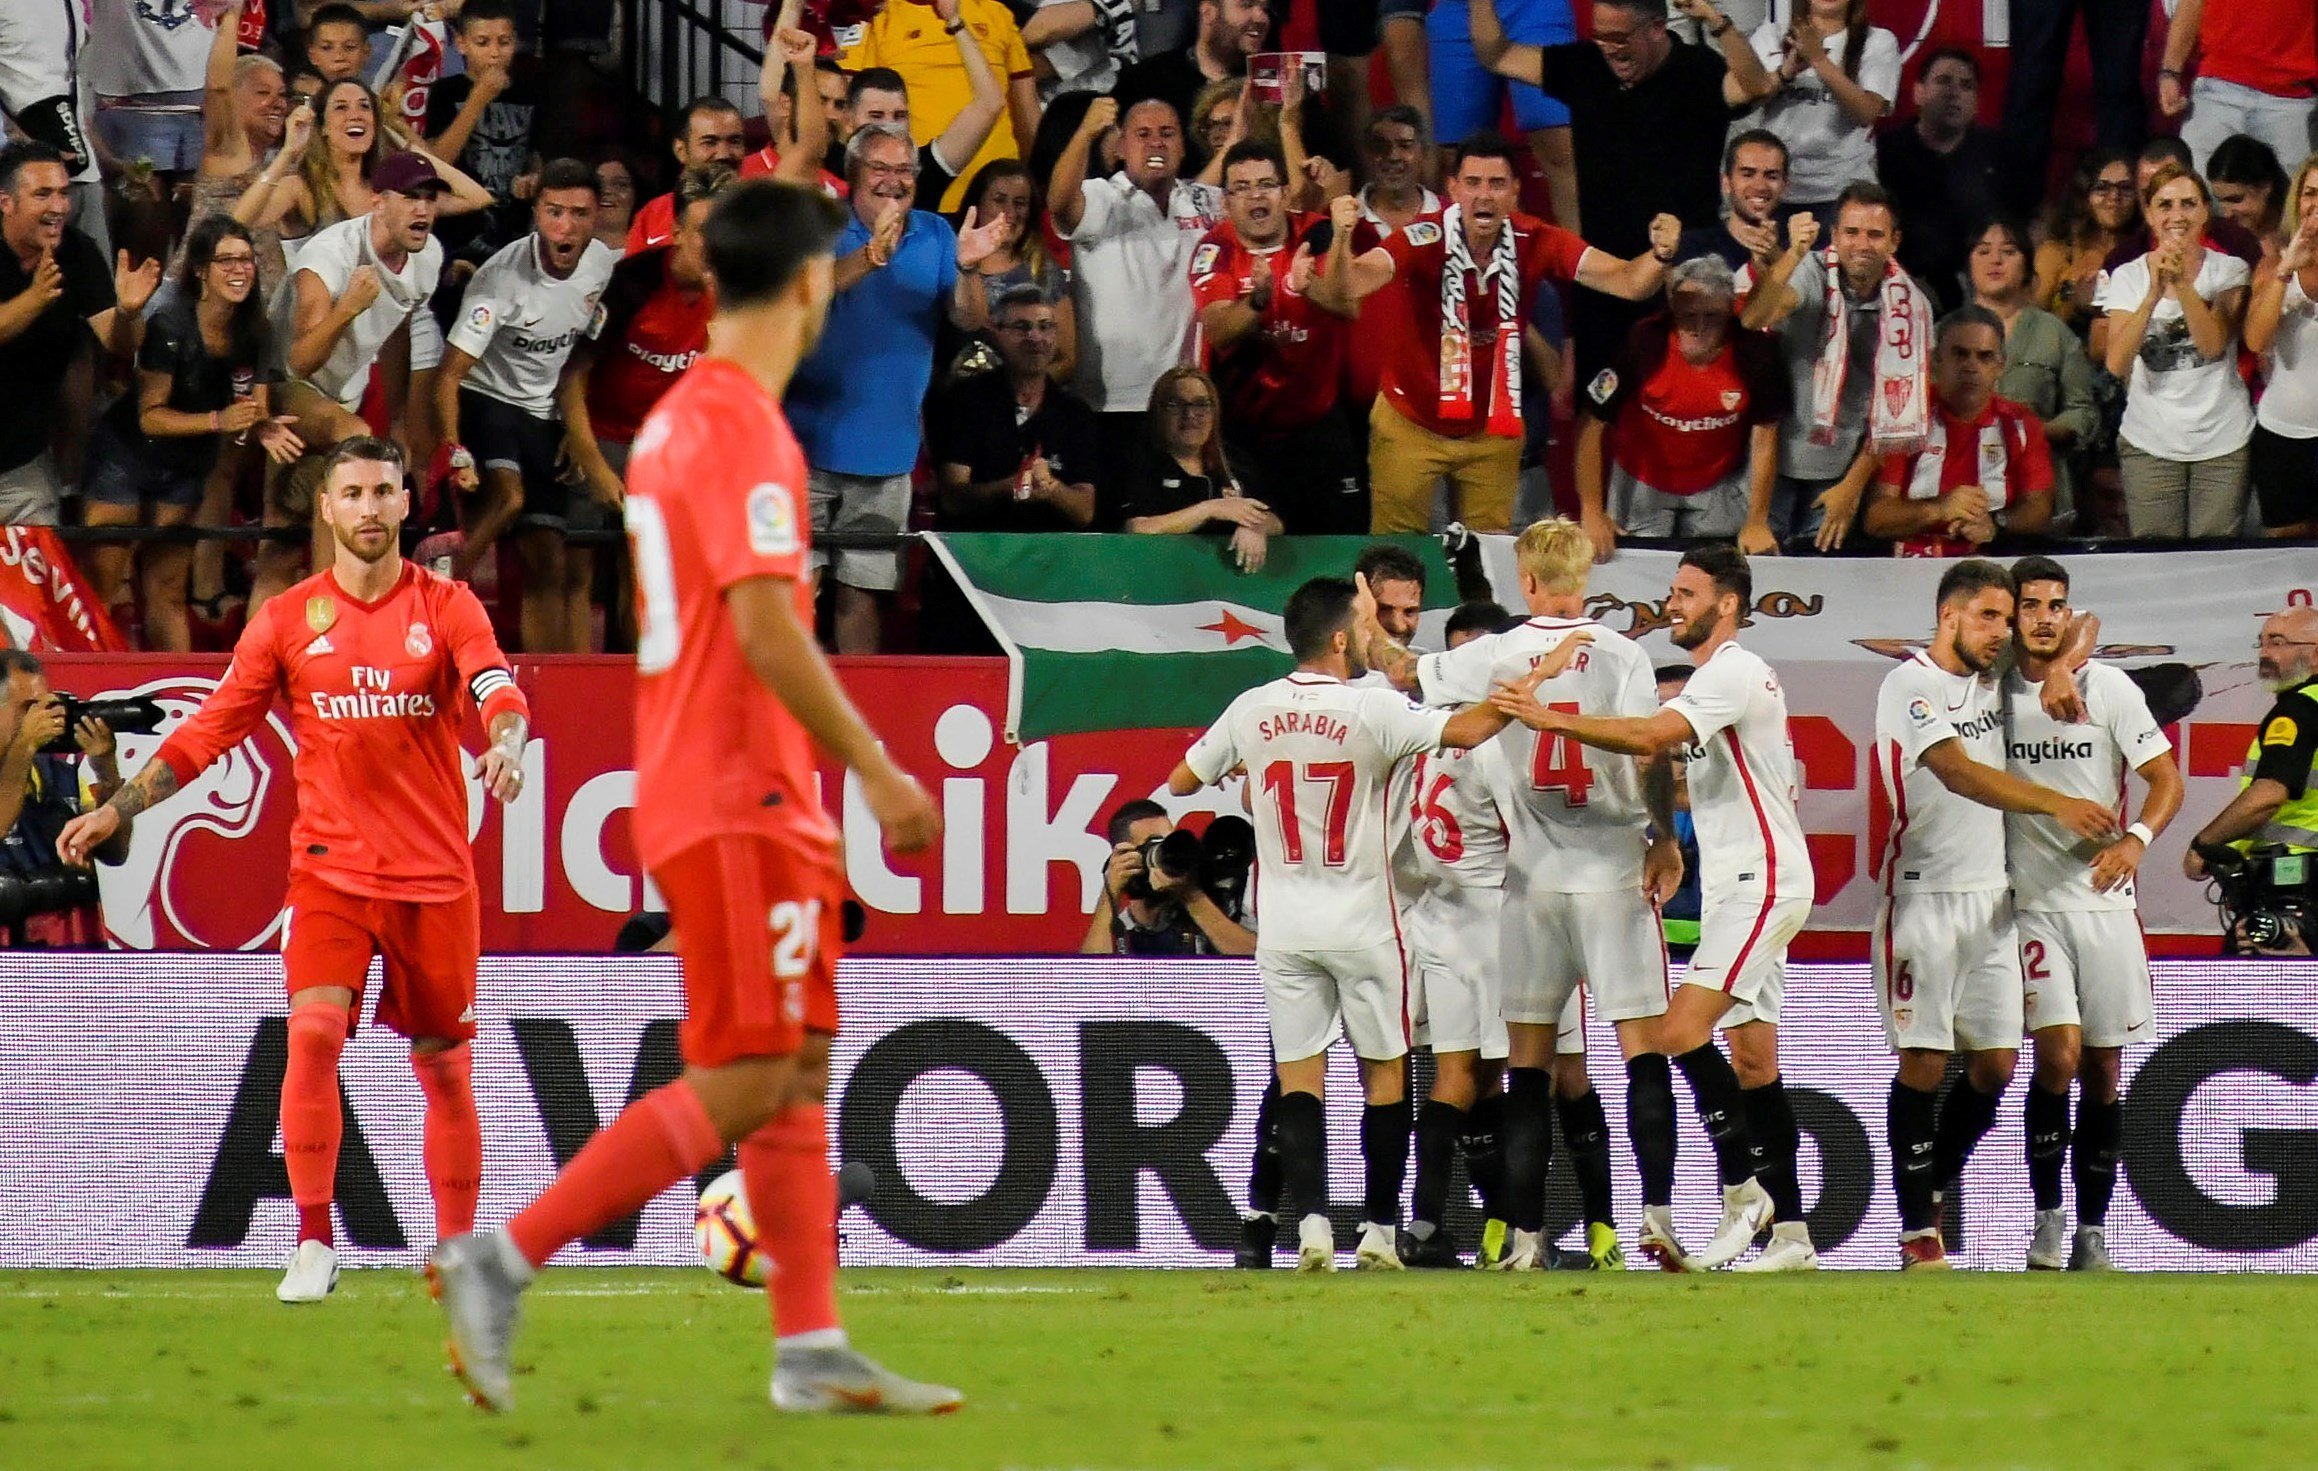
(1319, 754)
(1945, 950)
(2082, 953)
(1729, 724)
(1592, 851)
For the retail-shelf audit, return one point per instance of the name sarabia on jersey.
(1305, 722)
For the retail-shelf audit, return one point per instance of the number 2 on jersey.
(1560, 763)
(1281, 779)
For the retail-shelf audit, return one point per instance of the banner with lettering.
(45, 602)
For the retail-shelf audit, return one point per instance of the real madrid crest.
(321, 613)
(418, 643)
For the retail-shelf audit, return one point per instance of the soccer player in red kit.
(375, 656)
(732, 697)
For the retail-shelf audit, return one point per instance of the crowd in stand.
(1127, 265)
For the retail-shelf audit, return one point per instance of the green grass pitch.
(177, 1371)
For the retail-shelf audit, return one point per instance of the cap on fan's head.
(406, 173)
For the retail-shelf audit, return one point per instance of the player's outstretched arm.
(782, 654)
(1183, 781)
(1472, 725)
(104, 831)
(1989, 787)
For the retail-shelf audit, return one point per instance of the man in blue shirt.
(854, 401)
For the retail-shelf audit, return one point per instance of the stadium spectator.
(2173, 317)
(1984, 470)
(795, 120)
(41, 792)
(1648, 115)
(484, 120)
(708, 132)
(1830, 78)
(1230, 31)
(2231, 237)
(1855, 327)
(204, 379)
(41, 98)
(245, 108)
(2249, 187)
(2114, 37)
(2282, 324)
(2045, 367)
(337, 42)
(1277, 356)
(1013, 450)
(854, 400)
(1216, 122)
(1943, 174)
(1398, 147)
(530, 302)
(879, 95)
(1681, 437)
(1469, 97)
(1080, 45)
(1175, 477)
(1454, 404)
(2257, 75)
(1133, 236)
(1754, 193)
(615, 200)
(1005, 191)
(1146, 914)
(929, 58)
(147, 69)
(54, 291)
(2084, 226)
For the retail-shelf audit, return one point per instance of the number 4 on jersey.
(1560, 763)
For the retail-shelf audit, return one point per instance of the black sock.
(1528, 1135)
(1585, 1128)
(1264, 1169)
(1965, 1119)
(1715, 1089)
(1909, 1125)
(1302, 1131)
(2100, 1132)
(1771, 1126)
(1483, 1146)
(2047, 1145)
(1438, 1127)
(1384, 1148)
(1650, 1123)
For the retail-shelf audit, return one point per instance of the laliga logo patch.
(1920, 711)
(479, 316)
(772, 521)
(418, 643)
(1423, 232)
(1205, 260)
(1605, 383)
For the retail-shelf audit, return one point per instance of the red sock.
(656, 1141)
(453, 1150)
(794, 1199)
(311, 1122)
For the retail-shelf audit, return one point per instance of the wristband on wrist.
(216, 421)
(1718, 32)
(2169, 72)
(2141, 830)
(953, 28)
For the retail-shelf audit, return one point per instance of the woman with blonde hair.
(1177, 479)
(2282, 323)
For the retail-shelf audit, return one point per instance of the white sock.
(818, 1338)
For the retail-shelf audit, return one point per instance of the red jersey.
(760, 165)
(653, 330)
(2262, 44)
(653, 226)
(716, 496)
(376, 694)
(2003, 451)
(1678, 427)
(1408, 314)
(1288, 373)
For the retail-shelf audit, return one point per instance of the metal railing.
(676, 50)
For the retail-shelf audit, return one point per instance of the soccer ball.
(727, 1234)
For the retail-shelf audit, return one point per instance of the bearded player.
(732, 698)
(373, 656)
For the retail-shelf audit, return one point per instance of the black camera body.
(2268, 897)
(49, 891)
(1219, 861)
(137, 717)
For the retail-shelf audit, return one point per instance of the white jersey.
(2051, 865)
(1742, 780)
(1940, 843)
(1319, 756)
(519, 322)
(1576, 826)
(1457, 833)
(332, 255)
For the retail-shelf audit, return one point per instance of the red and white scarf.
(1457, 327)
(1899, 407)
(1995, 470)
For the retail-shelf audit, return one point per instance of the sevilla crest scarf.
(1504, 268)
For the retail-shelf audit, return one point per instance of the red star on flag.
(1232, 628)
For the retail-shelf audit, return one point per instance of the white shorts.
(1569, 1038)
(1311, 996)
(1947, 972)
(1609, 942)
(2087, 968)
(1453, 972)
(1742, 952)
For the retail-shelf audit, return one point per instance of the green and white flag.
(1144, 632)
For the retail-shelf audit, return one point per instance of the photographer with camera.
(2270, 894)
(1167, 891)
(44, 738)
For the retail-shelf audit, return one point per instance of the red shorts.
(429, 950)
(759, 930)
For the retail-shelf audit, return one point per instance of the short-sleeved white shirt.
(2051, 866)
(1577, 824)
(519, 322)
(1319, 755)
(1742, 780)
(1827, 151)
(1456, 832)
(1939, 842)
(2289, 406)
(332, 255)
(1131, 281)
(2180, 404)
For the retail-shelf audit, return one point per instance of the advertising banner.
(1030, 1113)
